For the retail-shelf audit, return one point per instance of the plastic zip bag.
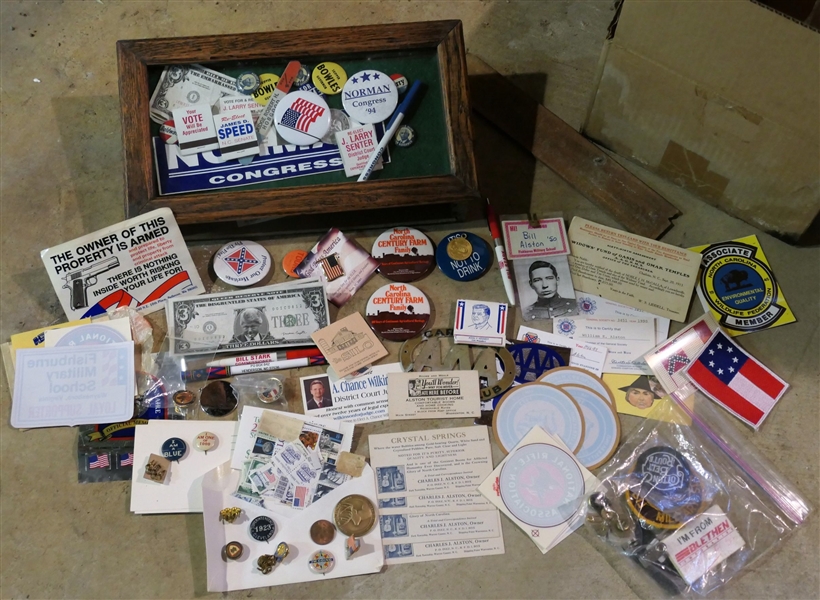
(690, 500)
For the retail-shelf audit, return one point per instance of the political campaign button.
(309, 87)
(322, 562)
(168, 132)
(242, 263)
(664, 475)
(271, 391)
(463, 256)
(302, 77)
(262, 529)
(401, 82)
(405, 136)
(174, 449)
(218, 399)
(398, 311)
(329, 77)
(370, 96)
(233, 550)
(267, 83)
(184, 398)
(205, 441)
(339, 121)
(247, 83)
(302, 118)
(292, 260)
(404, 254)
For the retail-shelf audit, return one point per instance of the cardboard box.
(721, 98)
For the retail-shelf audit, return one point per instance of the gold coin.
(459, 249)
(322, 532)
(354, 515)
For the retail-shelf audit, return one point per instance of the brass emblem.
(459, 249)
(354, 515)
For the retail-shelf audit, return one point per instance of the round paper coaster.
(404, 254)
(531, 404)
(398, 311)
(541, 485)
(573, 375)
(602, 428)
(242, 263)
(463, 256)
(302, 118)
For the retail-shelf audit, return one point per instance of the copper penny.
(322, 532)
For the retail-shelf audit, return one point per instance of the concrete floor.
(62, 177)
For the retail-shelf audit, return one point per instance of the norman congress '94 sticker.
(738, 286)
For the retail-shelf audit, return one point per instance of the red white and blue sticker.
(242, 263)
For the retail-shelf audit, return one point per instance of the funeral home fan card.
(139, 263)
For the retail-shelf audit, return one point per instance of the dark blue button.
(262, 529)
(463, 262)
(174, 449)
(664, 473)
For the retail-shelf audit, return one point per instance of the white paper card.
(701, 544)
(428, 527)
(626, 340)
(107, 332)
(399, 553)
(361, 399)
(73, 385)
(434, 395)
(479, 322)
(195, 129)
(355, 146)
(182, 491)
(583, 355)
(590, 305)
(524, 241)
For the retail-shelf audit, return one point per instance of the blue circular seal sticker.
(602, 429)
(463, 256)
(663, 472)
(531, 404)
(561, 376)
(541, 485)
(91, 335)
(174, 449)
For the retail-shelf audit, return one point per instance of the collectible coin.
(206, 441)
(401, 82)
(329, 78)
(601, 426)
(370, 96)
(242, 263)
(405, 136)
(247, 83)
(573, 375)
(218, 399)
(267, 83)
(478, 256)
(541, 485)
(302, 118)
(233, 550)
(339, 121)
(272, 392)
(459, 248)
(266, 563)
(354, 515)
(398, 311)
(262, 529)
(322, 532)
(531, 404)
(302, 77)
(184, 398)
(168, 132)
(404, 254)
(292, 260)
(229, 515)
(322, 561)
(174, 449)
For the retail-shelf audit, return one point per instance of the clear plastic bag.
(690, 500)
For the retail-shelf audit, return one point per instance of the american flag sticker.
(331, 267)
(502, 319)
(460, 314)
(127, 459)
(98, 461)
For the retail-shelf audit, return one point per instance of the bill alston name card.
(433, 395)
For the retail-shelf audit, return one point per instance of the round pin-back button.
(309, 87)
(233, 550)
(401, 82)
(247, 83)
(292, 260)
(404, 254)
(370, 96)
(321, 562)
(205, 441)
(664, 475)
(398, 311)
(218, 399)
(329, 77)
(242, 263)
(302, 77)
(271, 391)
(405, 136)
(302, 118)
(339, 121)
(174, 449)
(184, 398)
(267, 83)
(262, 529)
(463, 256)
(168, 132)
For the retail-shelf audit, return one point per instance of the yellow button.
(267, 83)
(329, 78)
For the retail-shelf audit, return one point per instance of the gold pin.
(229, 515)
